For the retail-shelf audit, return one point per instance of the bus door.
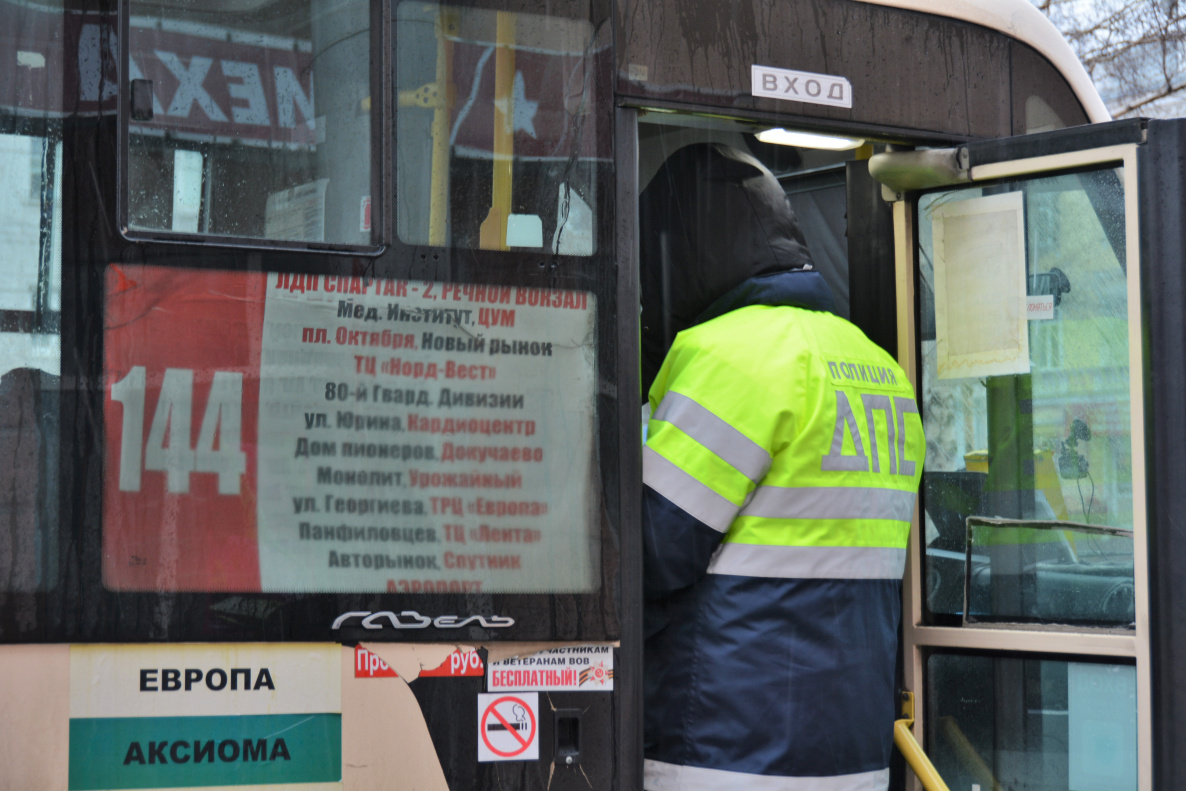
(1040, 292)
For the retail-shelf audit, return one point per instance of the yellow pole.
(493, 231)
(438, 207)
(967, 754)
(911, 749)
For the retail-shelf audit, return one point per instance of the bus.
(319, 365)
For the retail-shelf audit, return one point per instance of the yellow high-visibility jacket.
(781, 468)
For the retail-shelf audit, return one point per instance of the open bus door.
(1040, 293)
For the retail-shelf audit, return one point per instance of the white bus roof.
(1020, 20)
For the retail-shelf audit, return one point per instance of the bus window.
(504, 156)
(1042, 100)
(30, 283)
(251, 122)
(1025, 391)
(1054, 572)
(30, 310)
(358, 433)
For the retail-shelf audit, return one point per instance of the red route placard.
(200, 322)
(291, 433)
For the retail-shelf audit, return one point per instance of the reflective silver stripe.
(904, 406)
(806, 563)
(746, 456)
(831, 502)
(686, 492)
(659, 776)
(846, 423)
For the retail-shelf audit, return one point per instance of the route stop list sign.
(508, 727)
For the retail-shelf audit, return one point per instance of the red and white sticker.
(584, 668)
(508, 727)
(367, 664)
(364, 214)
(459, 663)
(1039, 307)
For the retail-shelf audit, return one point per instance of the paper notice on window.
(297, 214)
(980, 300)
(347, 434)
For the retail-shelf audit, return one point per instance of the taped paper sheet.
(384, 735)
(408, 660)
(980, 300)
(34, 716)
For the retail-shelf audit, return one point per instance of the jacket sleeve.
(706, 450)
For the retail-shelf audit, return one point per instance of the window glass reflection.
(1051, 572)
(499, 133)
(30, 318)
(1032, 724)
(257, 122)
(1025, 371)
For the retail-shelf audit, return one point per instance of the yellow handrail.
(438, 204)
(438, 97)
(967, 754)
(911, 749)
(492, 233)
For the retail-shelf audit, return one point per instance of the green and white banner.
(205, 716)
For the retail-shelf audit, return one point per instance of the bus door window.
(1032, 722)
(1028, 488)
(1028, 409)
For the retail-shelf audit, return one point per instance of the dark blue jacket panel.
(676, 546)
(773, 676)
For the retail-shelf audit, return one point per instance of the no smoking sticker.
(508, 727)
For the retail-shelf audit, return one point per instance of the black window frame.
(380, 155)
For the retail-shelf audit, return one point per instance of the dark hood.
(711, 219)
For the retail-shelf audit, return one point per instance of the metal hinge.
(902, 171)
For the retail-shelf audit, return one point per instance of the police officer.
(781, 466)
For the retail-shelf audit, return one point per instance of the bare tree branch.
(1169, 90)
(1134, 50)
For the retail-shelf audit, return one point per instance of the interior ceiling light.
(785, 137)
